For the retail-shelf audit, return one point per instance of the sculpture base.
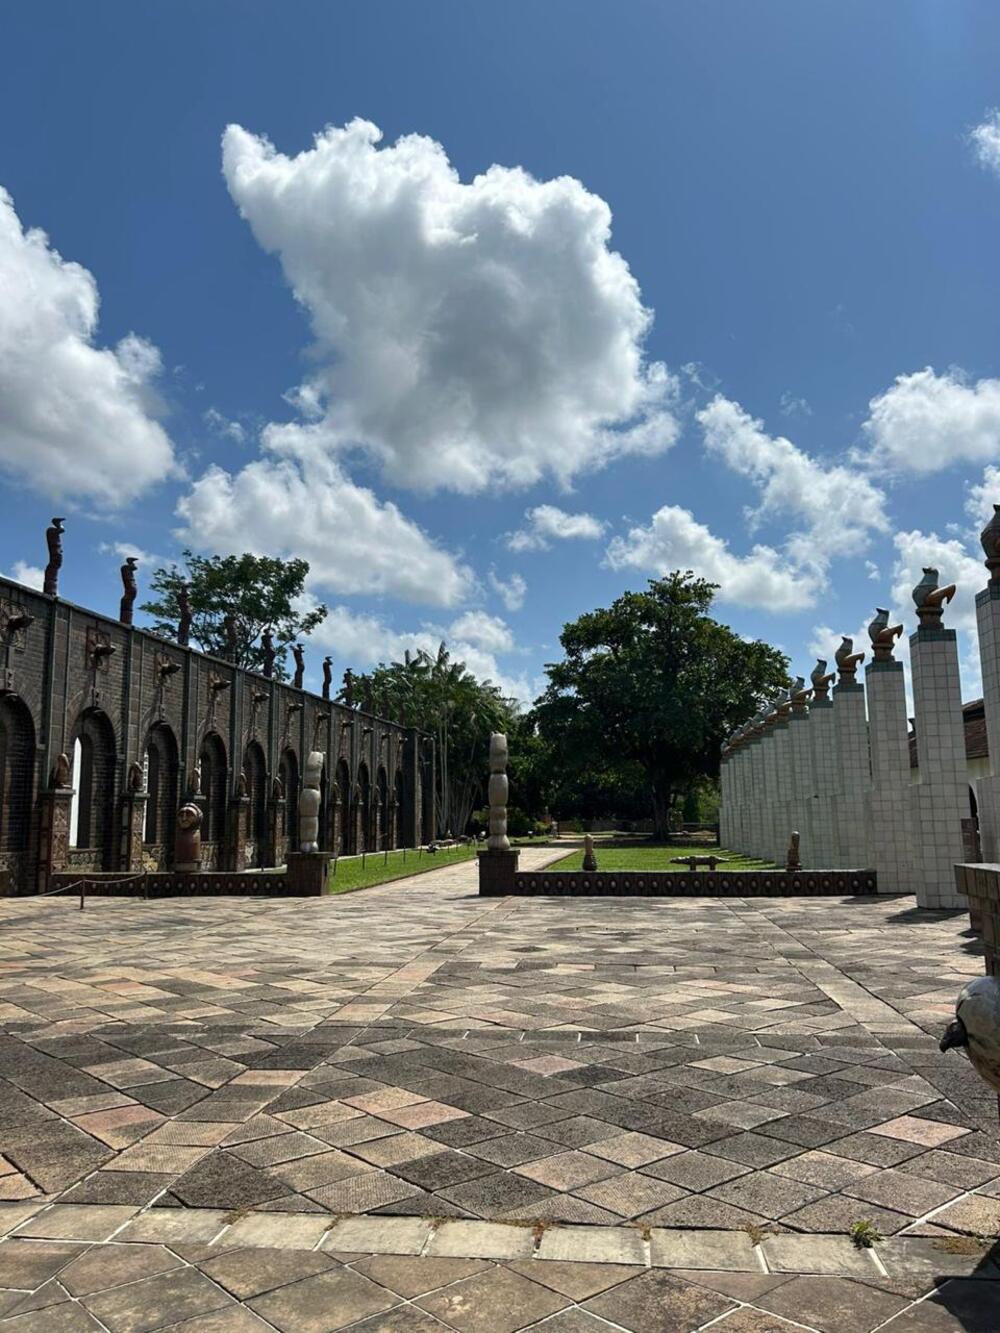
(497, 871)
(307, 872)
(189, 867)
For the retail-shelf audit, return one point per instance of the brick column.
(988, 625)
(824, 762)
(238, 825)
(53, 847)
(891, 797)
(801, 775)
(851, 804)
(134, 819)
(941, 798)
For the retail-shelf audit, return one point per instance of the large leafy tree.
(652, 684)
(258, 592)
(440, 696)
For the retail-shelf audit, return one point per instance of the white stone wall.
(988, 786)
(891, 800)
(941, 797)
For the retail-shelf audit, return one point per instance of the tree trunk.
(662, 799)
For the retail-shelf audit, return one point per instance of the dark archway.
(162, 776)
(255, 768)
(363, 814)
(342, 822)
(397, 809)
(288, 775)
(17, 766)
(380, 814)
(93, 811)
(214, 793)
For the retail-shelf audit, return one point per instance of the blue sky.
(476, 411)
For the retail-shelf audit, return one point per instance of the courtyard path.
(410, 1108)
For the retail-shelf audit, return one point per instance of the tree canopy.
(257, 591)
(441, 697)
(652, 685)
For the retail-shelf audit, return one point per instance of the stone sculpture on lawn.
(498, 840)
(187, 839)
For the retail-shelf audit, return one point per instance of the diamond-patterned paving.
(759, 1067)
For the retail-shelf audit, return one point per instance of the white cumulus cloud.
(926, 422)
(985, 140)
(468, 335)
(511, 591)
(547, 523)
(354, 542)
(820, 497)
(674, 539)
(30, 575)
(77, 421)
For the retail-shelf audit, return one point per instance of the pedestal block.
(941, 798)
(979, 885)
(307, 873)
(496, 871)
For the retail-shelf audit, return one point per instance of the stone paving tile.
(245, 1273)
(324, 1302)
(658, 1300)
(832, 1304)
(498, 1301)
(153, 1301)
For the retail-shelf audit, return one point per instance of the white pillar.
(851, 804)
(780, 826)
(988, 625)
(941, 797)
(769, 789)
(888, 730)
(824, 764)
(801, 774)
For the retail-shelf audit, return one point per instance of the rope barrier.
(82, 885)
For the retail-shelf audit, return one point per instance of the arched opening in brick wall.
(381, 811)
(397, 809)
(94, 761)
(214, 789)
(363, 800)
(162, 775)
(17, 766)
(255, 768)
(342, 825)
(288, 775)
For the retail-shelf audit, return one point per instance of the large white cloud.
(674, 539)
(822, 498)
(547, 523)
(926, 422)
(354, 542)
(77, 421)
(362, 640)
(985, 139)
(468, 335)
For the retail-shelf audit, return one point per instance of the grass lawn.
(657, 857)
(379, 868)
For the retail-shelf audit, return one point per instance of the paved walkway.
(412, 1109)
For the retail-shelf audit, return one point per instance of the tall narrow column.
(942, 794)
(781, 741)
(824, 765)
(801, 773)
(852, 813)
(888, 729)
(988, 624)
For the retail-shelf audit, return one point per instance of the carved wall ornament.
(14, 624)
(821, 679)
(99, 648)
(62, 771)
(53, 540)
(218, 683)
(135, 777)
(847, 661)
(882, 635)
(928, 598)
(241, 785)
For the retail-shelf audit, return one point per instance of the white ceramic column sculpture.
(824, 767)
(852, 814)
(309, 803)
(801, 775)
(941, 798)
(498, 840)
(988, 624)
(888, 732)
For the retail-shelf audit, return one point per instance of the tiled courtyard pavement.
(579, 1114)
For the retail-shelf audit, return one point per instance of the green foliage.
(442, 698)
(865, 1234)
(647, 856)
(257, 591)
(356, 872)
(649, 688)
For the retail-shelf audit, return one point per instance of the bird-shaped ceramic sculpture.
(976, 1026)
